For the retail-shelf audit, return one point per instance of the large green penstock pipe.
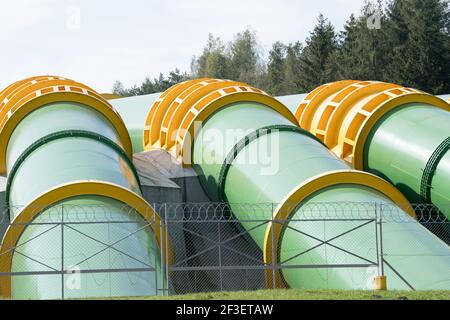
(67, 157)
(417, 160)
(296, 174)
(399, 134)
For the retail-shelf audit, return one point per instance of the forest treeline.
(401, 41)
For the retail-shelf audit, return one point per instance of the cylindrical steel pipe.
(397, 133)
(67, 156)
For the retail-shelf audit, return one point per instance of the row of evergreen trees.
(400, 41)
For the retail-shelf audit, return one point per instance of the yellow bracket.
(343, 113)
(73, 189)
(22, 98)
(290, 204)
(158, 109)
(172, 121)
(307, 108)
(19, 85)
(178, 109)
(380, 111)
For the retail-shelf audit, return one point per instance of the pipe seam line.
(61, 135)
(238, 147)
(430, 170)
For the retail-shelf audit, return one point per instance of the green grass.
(312, 295)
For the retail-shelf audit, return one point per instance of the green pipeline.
(133, 111)
(64, 143)
(225, 152)
(410, 147)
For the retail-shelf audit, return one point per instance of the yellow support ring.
(306, 189)
(70, 190)
(370, 123)
(34, 103)
(176, 112)
(155, 116)
(188, 129)
(173, 106)
(14, 100)
(308, 107)
(340, 112)
(19, 85)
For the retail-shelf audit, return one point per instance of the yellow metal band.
(366, 128)
(341, 106)
(155, 116)
(33, 102)
(210, 104)
(66, 191)
(35, 88)
(17, 86)
(178, 109)
(171, 122)
(306, 189)
(308, 107)
(343, 113)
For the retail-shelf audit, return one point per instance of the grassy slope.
(312, 295)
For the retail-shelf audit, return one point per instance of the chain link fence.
(90, 251)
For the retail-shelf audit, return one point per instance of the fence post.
(220, 255)
(381, 241)
(163, 252)
(274, 280)
(155, 248)
(380, 282)
(377, 240)
(62, 252)
(166, 245)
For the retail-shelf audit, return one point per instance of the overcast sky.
(100, 41)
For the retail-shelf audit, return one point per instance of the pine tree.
(347, 58)
(276, 69)
(148, 86)
(176, 76)
(292, 70)
(364, 50)
(420, 40)
(411, 46)
(315, 59)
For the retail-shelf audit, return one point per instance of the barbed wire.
(223, 211)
